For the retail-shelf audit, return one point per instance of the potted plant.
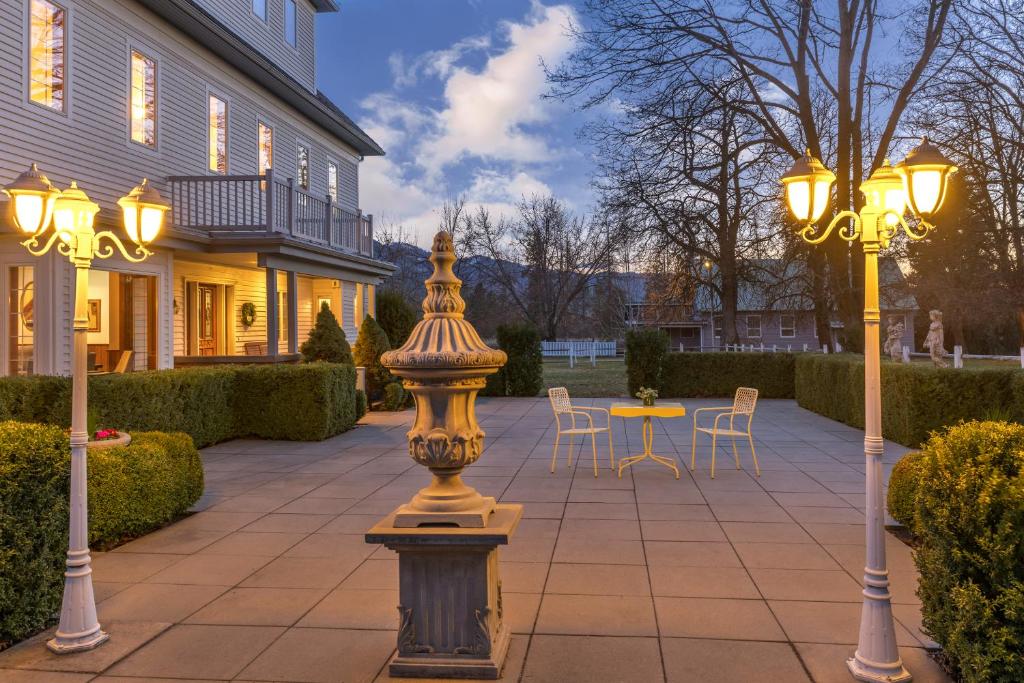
(647, 395)
(107, 438)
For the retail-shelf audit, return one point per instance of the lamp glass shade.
(28, 212)
(884, 191)
(807, 185)
(74, 212)
(32, 197)
(925, 174)
(143, 209)
(926, 187)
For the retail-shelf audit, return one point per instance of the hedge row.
(132, 490)
(523, 372)
(307, 402)
(917, 399)
(720, 374)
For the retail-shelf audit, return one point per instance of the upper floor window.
(259, 8)
(754, 326)
(47, 54)
(332, 180)
(218, 127)
(143, 106)
(290, 33)
(787, 325)
(266, 148)
(303, 167)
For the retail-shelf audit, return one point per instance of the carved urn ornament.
(444, 364)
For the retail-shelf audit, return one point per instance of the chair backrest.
(745, 400)
(122, 362)
(559, 397)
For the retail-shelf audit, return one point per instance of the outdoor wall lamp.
(35, 202)
(918, 183)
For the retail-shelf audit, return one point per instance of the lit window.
(289, 23)
(718, 327)
(21, 323)
(266, 151)
(303, 166)
(218, 135)
(787, 325)
(282, 316)
(371, 301)
(332, 180)
(143, 112)
(259, 8)
(754, 326)
(357, 306)
(47, 51)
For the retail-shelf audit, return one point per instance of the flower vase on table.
(647, 396)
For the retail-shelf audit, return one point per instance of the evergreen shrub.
(326, 340)
(394, 396)
(370, 344)
(395, 316)
(523, 372)
(645, 350)
(714, 374)
(904, 482)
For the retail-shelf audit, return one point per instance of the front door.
(207, 327)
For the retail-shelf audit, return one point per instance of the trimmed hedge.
(970, 521)
(306, 402)
(702, 375)
(523, 373)
(903, 485)
(645, 350)
(917, 399)
(132, 490)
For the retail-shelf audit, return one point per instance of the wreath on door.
(248, 313)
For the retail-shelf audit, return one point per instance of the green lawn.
(607, 379)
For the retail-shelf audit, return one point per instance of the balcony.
(246, 205)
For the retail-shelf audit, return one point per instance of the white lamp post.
(35, 201)
(918, 183)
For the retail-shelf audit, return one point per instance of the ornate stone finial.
(444, 363)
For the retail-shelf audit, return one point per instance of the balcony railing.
(248, 204)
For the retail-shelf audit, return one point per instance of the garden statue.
(934, 341)
(894, 338)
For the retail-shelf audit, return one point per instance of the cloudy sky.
(452, 89)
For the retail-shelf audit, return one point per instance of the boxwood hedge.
(720, 374)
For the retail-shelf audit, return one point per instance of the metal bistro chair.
(742, 406)
(562, 406)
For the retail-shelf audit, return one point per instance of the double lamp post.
(37, 205)
(918, 186)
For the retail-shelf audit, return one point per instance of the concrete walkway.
(641, 579)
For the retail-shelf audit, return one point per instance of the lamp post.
(73, 214)
(917, 184)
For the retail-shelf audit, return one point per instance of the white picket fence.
(575, 349)
(958, 356)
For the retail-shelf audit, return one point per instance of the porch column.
(293, 312)
(272, 349)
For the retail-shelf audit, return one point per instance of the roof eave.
(325, 5)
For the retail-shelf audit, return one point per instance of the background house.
(214, 101)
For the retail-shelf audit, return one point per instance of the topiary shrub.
(395, 316)
(523, 372)
(34, 485)
(361, 406)
(970, 517)
(370, 344)
(686, 375)
(644, 352)
(295, 402)
(394, 396)
(326, 340)
(903, 484)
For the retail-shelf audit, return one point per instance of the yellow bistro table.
(647, 412)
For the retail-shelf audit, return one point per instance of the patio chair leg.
(735, 453)
(714, 447)
(593, 446)
(611, 449)
(753, 453)
(571, 449)
(693, 447)
(554, 453)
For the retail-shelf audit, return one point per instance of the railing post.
(268, 184)
(369, 246)
(291, 207)
(328, 220)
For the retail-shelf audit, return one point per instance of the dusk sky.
(452, 89)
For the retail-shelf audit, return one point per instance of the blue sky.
(452, 90)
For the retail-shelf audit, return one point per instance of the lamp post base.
(876, 672)
(64, 644)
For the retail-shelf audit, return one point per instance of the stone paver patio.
(641, 579)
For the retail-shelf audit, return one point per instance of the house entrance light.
(33, 198)
(917, 185)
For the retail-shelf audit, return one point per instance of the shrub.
(295, 402)
(970, 517)
(686, 375)
(326, 340)
(361, 406)
(644, 352)
(394, 396)
(370, 344)
(903, 484)
(523, 372)
(395, 316)
(34, 484)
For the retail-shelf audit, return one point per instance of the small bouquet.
(647, 395)
(105, 434)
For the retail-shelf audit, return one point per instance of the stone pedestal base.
(407, 517)
(450, 621)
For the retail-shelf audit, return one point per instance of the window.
(332, 180)
(303, 163)
(371, 301)
(143, 105)
(218, 135)
(21, 308)
(787, 325)
(266, 148)
(47, 53)
(259, 8)
(357, 306)
(282, 316)
(718, 327)
(289, 23)
(754, 326)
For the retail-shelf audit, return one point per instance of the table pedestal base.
(648, 432)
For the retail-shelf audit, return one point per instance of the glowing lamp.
(807, 185)
(884, 191)
(143, 210)
(33, 197)
(925, 174)
(73, 212)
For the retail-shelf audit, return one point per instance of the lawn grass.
(608, 379)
